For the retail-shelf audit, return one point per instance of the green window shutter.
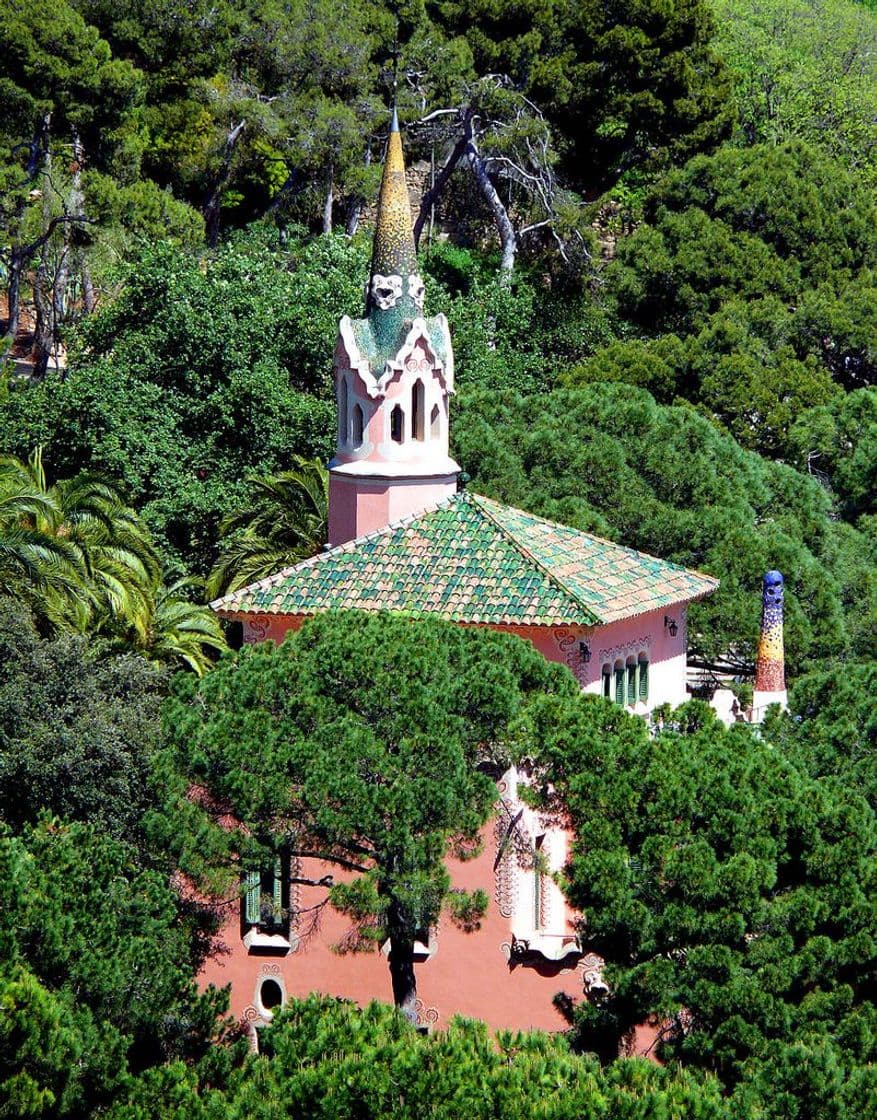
(252, 897)
(619, 686)
(643, 680)
(631, 684)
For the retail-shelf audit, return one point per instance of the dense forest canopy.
(653, 230)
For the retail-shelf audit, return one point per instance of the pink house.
(403, 537)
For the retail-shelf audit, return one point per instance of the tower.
(770, 680)
(394, 373)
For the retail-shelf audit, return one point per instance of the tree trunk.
(13, 294)
(43, 298)
(402, 976)
(507, 236)
(212, 206)
(354, 213)
(89, 302)
(432, 196)
(327, 205)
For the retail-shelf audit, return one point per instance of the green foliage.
(328, 1060)
(83, 559)
(622, 85)
(96, 969)
(198, 373)
(839, 443)
(732, 895)
(286, 520)
(607, 459)
(753, 281)
(77, 731)
(831, 730)
(803, 69)
(358, 740)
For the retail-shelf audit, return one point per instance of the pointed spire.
(395, 283)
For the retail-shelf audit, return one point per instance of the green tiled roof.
(470, 559)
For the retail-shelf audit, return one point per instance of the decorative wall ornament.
(514, 851)
(568, 644)
(386, 290)
(256, 629)
(591, 967)
(628, 649)
(416, 289)
(426, 1016)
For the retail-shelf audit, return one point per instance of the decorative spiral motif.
(426, 1016)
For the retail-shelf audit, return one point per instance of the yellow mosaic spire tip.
(393, 253)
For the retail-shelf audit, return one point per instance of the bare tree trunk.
(354, 213)
(212, 206)
(89, 301)
(44, 334)
(402, 976)
(329, 200)
(507, 236)
(432, 196)
(19, 253)
(13, 294)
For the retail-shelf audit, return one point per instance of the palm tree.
(84, 561)
(286, 521)
(181, 630)
(75, 548)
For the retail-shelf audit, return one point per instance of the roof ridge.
(543, 568)
(602, 540)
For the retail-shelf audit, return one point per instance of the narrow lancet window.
(342, 412)
(435, 423)
(418, 408)
(357, 425)
(397, 425)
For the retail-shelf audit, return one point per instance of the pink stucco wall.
(359, 506)
(471, 974)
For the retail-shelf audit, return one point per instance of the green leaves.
(727, 889)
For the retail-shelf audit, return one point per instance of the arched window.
(357, 425)
(435, 422)
(631, 681)
(342, 411)
(607, 681)
(397, 425)
(418, 409)
(620, 674)
(644, 677)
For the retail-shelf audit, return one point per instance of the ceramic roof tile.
(470, 559)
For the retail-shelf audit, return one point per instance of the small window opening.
(357, 425)
(342, 411)
(264, 897)
(435, 423)
(607, 681)
(397, 425)
(418, 409)
(620, 673)
(631, 681)
(643, 678)
(270, 994)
